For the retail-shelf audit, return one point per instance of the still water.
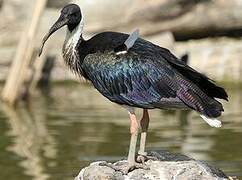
(66, 127)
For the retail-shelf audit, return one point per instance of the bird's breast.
(72, 58)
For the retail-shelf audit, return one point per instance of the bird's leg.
(144, 124)
(134, 128)
(131, 165)
(133, 140)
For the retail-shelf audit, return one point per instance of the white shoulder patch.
(121, 52)
(129, 42)
(212, 122)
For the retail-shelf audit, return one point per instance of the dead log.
(22, 59)
(184, 18)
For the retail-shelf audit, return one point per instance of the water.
(61, 130)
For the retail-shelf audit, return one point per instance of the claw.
(143, 157)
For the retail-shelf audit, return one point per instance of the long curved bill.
(59, 23)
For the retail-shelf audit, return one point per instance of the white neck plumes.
(70, 52)
(74, 36)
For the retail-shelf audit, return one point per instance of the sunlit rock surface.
(167, 166)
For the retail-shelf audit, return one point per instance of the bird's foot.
(125, 167)
(142, 157)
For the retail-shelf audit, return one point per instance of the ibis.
(135, 73)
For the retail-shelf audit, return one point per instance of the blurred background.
(62, 126)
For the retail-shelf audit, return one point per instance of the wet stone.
(166, 166)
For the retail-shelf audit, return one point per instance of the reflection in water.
(31, 139)
(58, 133)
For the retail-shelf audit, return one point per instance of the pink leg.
(144, 123)
(133, 141)
(132, 148)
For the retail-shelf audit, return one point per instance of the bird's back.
(147, 76)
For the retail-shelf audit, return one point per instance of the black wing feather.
(127, 80)
(197, 78)
(148, 76)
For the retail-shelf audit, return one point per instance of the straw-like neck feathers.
(70, 52)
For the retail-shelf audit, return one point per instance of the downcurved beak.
(62, 21)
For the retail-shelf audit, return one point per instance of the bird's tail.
(212, 122)
(208, 107)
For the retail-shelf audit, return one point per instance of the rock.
(166, 166)
(100, 172)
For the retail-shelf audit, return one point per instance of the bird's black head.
(70, 16)
(72, 13)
